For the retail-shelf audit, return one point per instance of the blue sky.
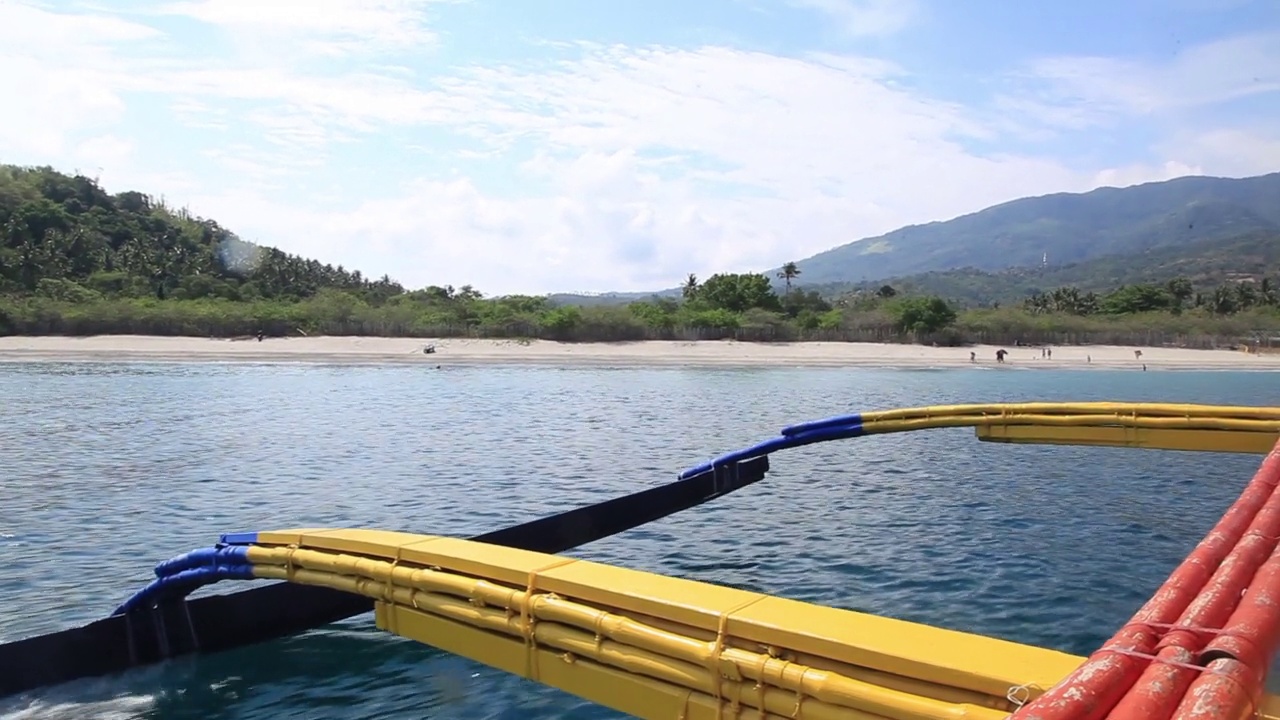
(548, 145)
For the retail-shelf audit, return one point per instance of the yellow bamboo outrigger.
(665, 648)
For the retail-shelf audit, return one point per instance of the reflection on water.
(110, 468)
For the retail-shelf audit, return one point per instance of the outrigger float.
(666, 648)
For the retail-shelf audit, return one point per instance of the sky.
(532, 146)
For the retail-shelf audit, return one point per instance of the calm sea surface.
(108, 469)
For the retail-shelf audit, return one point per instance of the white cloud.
(798, 134)
(1233, 152)
(1134, 174)
(325, 27)
(864, 17)
(197, 115)
(101, 151)
(28, 26)
(632, 166)
(1207, 74)
(52, 80)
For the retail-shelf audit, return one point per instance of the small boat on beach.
(662, 647)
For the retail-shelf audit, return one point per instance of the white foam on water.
(120, 708)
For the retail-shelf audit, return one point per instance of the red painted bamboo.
(1097, 685)
(1225, 696)
(1238, 659)
(1160, 688)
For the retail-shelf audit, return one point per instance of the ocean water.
(108, 469)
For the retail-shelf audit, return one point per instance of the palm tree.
(1039, 303)
(788, 273)
(690, 288)
(1181, 290)
(1267, 291)
(1223, 301)
(1246, 295)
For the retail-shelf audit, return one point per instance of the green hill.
(605, 299)
(1206, 263)
(1066, 227)
(64, 237)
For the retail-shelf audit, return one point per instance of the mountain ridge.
(1064, 228)
(1206, 263)
(1067, 227)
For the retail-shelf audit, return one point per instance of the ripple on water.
(110, 468)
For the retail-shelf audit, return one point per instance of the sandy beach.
(465, 351)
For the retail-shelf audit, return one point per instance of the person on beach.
(1000, 355)
(973, 356)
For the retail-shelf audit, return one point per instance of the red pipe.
(1160, 689)
(1238, 659)
(1097, 685)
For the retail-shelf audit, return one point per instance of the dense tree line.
(1175, 297)
(77, 260)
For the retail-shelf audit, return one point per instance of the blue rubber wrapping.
(196, 558)
(839, 420)
(184, 574)
(795, 436)
(241, 538)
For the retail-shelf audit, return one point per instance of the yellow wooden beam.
(637, 695)
(1205, 440)
(497, 606)
(906, 663)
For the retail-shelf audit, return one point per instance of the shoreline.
(330, 350)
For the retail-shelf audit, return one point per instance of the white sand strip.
(454, 351)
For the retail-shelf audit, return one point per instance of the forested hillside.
(67, 238)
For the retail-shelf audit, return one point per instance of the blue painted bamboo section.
(815, 425)
(216, 555)
(186, 573)
(837, 428)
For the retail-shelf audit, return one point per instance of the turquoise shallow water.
(110, 468)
